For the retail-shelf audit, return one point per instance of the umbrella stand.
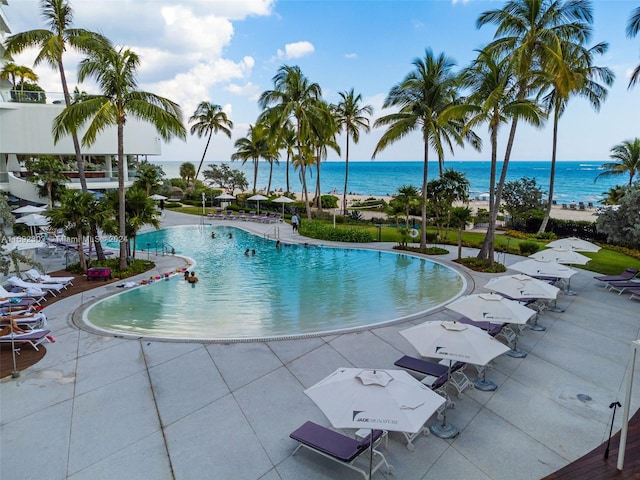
(514, 352)
(443, 430)
(483, 384)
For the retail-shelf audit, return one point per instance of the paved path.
(99, 407)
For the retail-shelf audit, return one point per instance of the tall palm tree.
(530, 32)
(52, 43)
(492, 101)
(351, 116)
(323, 136)
(423, 97)
(10, 72)
(253, 147)
(633, 27)
(576, 75)
(293, 100)
(115, 70)
(187, 172)
(141, 211)
(459, 218)
(207, 120)
(288, 142)
(627, 155)
(408, 197)
(47, 171)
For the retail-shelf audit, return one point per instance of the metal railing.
(273, 233)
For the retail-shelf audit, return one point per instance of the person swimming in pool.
(193, 278)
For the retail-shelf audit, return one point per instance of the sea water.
(574, 181)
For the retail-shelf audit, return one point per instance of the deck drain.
(583, 397)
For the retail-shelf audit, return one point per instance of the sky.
(227, 53)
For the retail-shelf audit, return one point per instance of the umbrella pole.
(15, 373)
(371, 454)
(443, 430)
(484, 384)
(514, 352)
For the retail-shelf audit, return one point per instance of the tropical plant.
(622, 225)
(115, 73)
(148, 176)
(575, 75)
(10, 259)
(323, 136)
(522, 196)
(141, 211)
(633, 27)
(253, 147)
(459, 218)
(46, 170)
(422, 98)
(52, 43)
(352, 116)
(187, 173)
(529, 32)
(627, 155)
(293, 101)
(613, 195)
(407, 199)
(207, 120)
(225, 177)
(18, 74)
(492, 101)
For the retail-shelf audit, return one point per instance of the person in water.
(193, 278)
(246, 252)
(186, 275)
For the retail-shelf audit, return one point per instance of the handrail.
(275, 230)
(166, 249)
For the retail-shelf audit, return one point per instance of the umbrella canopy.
(491, 307)
(561, 255)
(29, 209)
(157, 196)
(225, 196)
(257, 198)
(539, 268)
(574, 243)
(454, 341)
(375, 399)
(283, 200)
(522, 287)
(34, 220)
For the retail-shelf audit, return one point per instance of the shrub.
(481, 265)
(136, 267)
(527, 248)
(325, 232)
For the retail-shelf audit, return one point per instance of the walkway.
(104, 407)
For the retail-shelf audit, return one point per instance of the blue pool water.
(294, 290)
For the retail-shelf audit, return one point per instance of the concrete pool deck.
(103, 407)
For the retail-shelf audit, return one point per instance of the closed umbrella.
(283, 200)
(374, 399)
(453, 341)
(574, 243)
(257, 198)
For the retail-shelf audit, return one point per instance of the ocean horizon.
(574, 180)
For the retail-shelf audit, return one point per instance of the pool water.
(291, 291)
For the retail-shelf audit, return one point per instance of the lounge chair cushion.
(332, 443)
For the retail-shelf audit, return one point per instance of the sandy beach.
(587, 215)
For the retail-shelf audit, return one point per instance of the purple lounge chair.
(33, 338)
(621, 287)
(628, 274)
(635, 293)
(338, 447)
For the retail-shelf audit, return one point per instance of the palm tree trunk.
(206, 147)
(487, 249)
(288, 159)
(121, 198)
(270, 176)
(552, 174)
(83, 263)
(425, 177)
(346, 179)
(255, 173)
(319, 196)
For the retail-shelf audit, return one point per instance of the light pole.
(203, 200)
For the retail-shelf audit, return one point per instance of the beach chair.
(621, 287)
(34, 293)
(51, 288)
(457, 379)
(339, 447)
(32, 321)
(628, 274)
(33, 338)
(35, 276)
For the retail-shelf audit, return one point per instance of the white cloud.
(296, 50)
(248, 90)
(351, 55)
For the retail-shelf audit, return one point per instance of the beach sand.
(557, 211)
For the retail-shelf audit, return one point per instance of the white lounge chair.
(49, 287)
(35, 276)
(33, 292)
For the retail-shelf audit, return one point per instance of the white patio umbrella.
(574, 243)
(523, 287)
(561, 255)
(29, 209)
(374, 399)
(34, 220)
(225, 196)
(257, 198)
(494, 308)
(453, 341)
(540, 268)
(157, 196)
(282, 199)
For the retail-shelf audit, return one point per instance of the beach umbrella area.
(29, 209)
(375, 399)
(575, 244)
(561, 255)
(283, 200)
(257, 198)
(455, 342)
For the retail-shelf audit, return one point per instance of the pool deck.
(99, 407)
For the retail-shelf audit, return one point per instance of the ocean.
(574, 181)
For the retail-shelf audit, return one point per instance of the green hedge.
(322, 231)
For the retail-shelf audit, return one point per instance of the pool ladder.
(166, 249)
(273, 233)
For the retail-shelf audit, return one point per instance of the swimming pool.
(295, 290)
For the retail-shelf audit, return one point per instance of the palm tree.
(47, 170)
(627, 155)
(352, 116)
(423, 97)
(10, 72)
(492, 101)
(323, 136)
(408, 197)
(115, 73)
(459, 218)
(288, 142)
(52, 43)
(14, 72)
(188, 173)
(141, 211)
(293, 101)
(530, 32)
(253, 147)
(148, 176)
(207, 120)
(633, 27)
(575, 76)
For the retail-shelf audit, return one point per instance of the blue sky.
(227, 52)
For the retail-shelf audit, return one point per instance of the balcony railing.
(30, 96)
